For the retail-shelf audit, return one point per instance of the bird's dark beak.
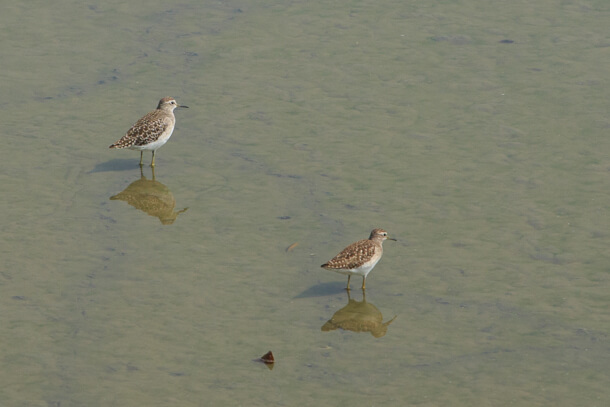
(185, 107)
(391, 238)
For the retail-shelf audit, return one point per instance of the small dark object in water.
(506, 42)
(268, 358)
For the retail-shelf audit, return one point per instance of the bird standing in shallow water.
(152, 130)
(359, 258)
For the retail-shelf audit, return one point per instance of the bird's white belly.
(157, 143)
(359, 271)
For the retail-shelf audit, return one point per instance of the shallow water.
(309, 123)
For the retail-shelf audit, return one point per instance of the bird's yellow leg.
(141, 154)
(152, 164)
(363, 282)
(349, 276)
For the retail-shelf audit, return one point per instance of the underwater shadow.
(322, 290)
(117, 164)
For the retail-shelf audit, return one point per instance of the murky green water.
(475, 133)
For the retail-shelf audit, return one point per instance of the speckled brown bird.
(359, 258)
(152, 130)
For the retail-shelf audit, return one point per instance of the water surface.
(477, 135)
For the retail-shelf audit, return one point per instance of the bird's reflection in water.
(359, 316)
(152, 197)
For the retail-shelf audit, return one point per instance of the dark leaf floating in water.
(268, 358)
(506, 42)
